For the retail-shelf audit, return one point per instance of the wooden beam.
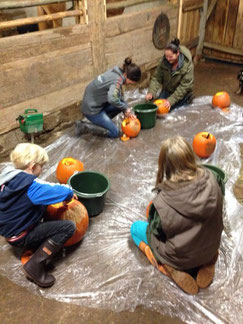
(125, 3)
(179, 19)
(97, 17)
(191, 5)
(202, 28)
(224, 49)
(211, 7)
(35, 20)
(13, 4)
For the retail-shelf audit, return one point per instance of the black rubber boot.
(35, 267)
(85, 127)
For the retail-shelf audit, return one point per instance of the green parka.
(177, 83)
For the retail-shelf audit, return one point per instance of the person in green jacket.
(175, 75)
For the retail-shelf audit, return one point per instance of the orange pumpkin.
(204, 144)
(131, 127)
(74, 211)
(221, 100)
(162, 108)
(66, 167)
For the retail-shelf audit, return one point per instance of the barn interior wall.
(49, 70)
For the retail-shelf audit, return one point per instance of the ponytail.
(132, 71)
(174, 46)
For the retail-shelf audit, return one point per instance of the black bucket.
(91, 188)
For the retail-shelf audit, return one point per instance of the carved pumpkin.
(74, 211)
(162, 108)
(66, 167)
(204, 144)
(131, 127)
(221, 100)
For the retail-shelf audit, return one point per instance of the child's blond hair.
(177, 161)
(26, 153)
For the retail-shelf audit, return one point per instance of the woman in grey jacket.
(103, 100)
(183, 232)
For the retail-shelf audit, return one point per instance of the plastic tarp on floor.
(107, 270)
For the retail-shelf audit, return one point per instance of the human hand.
(148, 97)
(129, 114)
(167, 104)
(75, 196)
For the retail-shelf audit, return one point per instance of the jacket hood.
(8, 174)
(118, 71)
(189, 199)
(186, 52)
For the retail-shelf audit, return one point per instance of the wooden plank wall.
(224, 28)
(49, 70)
(131, 35)
(188, 30)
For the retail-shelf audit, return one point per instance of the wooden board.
(46, 104)
(230, 27)
(238, 38)
(34, 44)
(43, 74)
(137, 20)
(131, 35)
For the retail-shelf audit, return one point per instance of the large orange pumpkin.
(131, 127)
(74, 211)
(162, 108)
(221, 100)
(66, 167)
(204, 144)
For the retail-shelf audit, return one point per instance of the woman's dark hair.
(174, 46)
(132, 71)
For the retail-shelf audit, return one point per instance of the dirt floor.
(18, 305)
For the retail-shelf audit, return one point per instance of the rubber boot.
(35, 267)
(85, 127)
(183, 280)
(206, 272)
(145, 248)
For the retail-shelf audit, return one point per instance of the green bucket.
(146, 114)
(218, 171)
(91, 188)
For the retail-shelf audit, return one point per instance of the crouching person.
(23, 201)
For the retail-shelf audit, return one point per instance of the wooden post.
(202, 27)
(97, 17)
(11, 4)
(35, 20)
(179, 19)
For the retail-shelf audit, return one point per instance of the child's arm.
(46, 193)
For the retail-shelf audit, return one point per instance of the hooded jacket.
(105, 89)
(185, 224)
(23, 200)
(178, 83)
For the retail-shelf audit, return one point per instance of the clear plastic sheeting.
(107, 270)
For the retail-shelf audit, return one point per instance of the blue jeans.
(138, 231)
(103, 119)
(164, 95)
(58, 231)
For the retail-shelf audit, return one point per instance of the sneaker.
(78, 128)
